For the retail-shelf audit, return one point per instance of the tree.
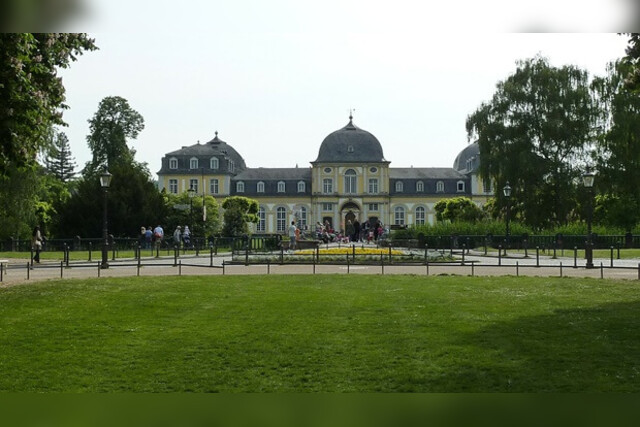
(111, 126)
(238, 212)
(177, 214)
(31, 93)
(457, 209)
(59, 162)
(632, 58)
(536, 133)
(133, 201)
(618, 151)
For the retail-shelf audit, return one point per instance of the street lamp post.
(191, 193)
(588, 179)
(105, 182)
(507, 194)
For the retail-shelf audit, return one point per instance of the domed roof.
(468, 160)
(350, 145)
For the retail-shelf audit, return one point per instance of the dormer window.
(173, 163)
(193, 163)
(350, 149)
(260, 187)
(231, 166)
(301, 187)
(214, 163)
(420, 187)
(240, 187)
(399, 187)
(281, 187)
(460, 186)
(440, 187)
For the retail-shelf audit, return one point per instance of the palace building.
(350, 179)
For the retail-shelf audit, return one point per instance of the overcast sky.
(275, 78)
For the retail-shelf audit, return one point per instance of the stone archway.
(350, 211)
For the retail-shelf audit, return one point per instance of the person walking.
(158, 235)
(356, 231)
(148, 237)
(292, 235)
(349, 230)
(36, 243)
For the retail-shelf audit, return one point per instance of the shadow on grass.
(590, 349)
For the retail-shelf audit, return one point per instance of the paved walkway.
(475, 264)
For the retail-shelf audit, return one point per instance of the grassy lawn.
(597, 253)
(96, 255)
(326, 333)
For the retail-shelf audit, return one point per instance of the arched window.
(420, 187)
(460, 186)
(193, 163)
(281, 219)
(214, 163)
(260, 188)
(281, 187)
(240, 187)
(350, 182)
(173, 163)
(399, 187)
(301, 186)
(262, 223)
(399, 215)
(420, 215)
(440, 187)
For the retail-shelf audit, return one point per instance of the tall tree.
(618, 150)
(59, 161)
(633, 60)
(238, 213)
(31, 92)
(536, 133)
(111, 126)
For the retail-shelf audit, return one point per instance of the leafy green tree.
(111, 126)
(618, 151)
(457, 209)
(59, 161)
(536, 133)
(200, 225)
(238, 213)
(132, 201)
(31, 92)
(632, 59)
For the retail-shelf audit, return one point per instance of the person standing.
(158, 235)
(36, 243)
(292, 235)
(356, 231)
(349, 230)
(148, 237)
(143, 237)
(186, 237)
(177, 237)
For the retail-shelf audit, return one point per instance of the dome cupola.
(350, 145)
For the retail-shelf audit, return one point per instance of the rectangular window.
(327, 207)
(173, 186)
(261, 221)
(193, 164)
(193, 183)
(373, 206)
(373, 186)
(486, 186)
(327, 186)
(213, 186)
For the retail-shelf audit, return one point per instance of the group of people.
(154, 236)
(354, 232)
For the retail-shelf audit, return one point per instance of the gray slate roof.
(267, 174)
(350, 145)
(471, 151)
(425, 173)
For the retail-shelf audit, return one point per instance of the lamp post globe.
(588, 179)
(105, 182)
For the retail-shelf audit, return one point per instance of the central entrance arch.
(350, 211)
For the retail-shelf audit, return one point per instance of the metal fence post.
(537, 256)
(499, 255)
(90, 249)
(575, 257)
(611, 256)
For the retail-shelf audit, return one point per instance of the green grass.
(597, 253)
(96, 254)
(326, 333)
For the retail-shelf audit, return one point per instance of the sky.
(275, 78)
